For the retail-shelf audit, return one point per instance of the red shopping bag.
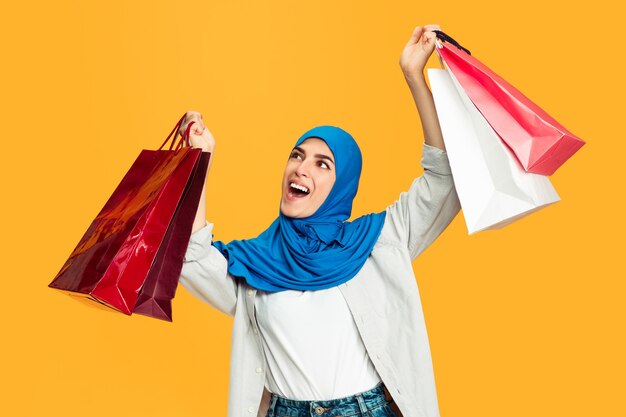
(113, 259)
(540, 143)
(155, 297)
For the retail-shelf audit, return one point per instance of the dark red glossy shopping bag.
(114, 258)
(155, 297)
(540, 143)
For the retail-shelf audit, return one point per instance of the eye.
(324, 165)
(296, 155)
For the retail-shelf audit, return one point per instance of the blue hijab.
(317, 252)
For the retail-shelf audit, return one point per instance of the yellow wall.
(527, 320)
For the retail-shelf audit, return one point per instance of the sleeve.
(205, 273)
(423, 212)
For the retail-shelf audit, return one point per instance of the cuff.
(199, 243)
(435, 160)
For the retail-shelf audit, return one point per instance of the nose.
(303, 169)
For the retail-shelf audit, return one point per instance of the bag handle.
(447, 38)
(185, 136)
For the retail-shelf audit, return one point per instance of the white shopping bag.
(493, 187)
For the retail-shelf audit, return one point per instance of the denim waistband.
(357, 404)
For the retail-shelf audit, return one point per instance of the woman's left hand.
(418, 50)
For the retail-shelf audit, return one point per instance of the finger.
(198, 125)
(199, 122)
(430, 36)
(192, 115)
(430, 28)
(429, 39)
(196, 129)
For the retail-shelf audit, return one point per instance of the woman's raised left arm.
(423, 212)
(412, 61)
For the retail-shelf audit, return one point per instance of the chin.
(285, 212)
(288, 213)
(294, 214)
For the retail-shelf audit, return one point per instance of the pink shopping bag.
(540, 143)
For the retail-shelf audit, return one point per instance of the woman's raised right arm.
(199, 137)
(205, 273)
(205, 270)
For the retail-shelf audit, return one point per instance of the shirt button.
(259, 370)
(250, 409)
(256, 331)
(250, 293)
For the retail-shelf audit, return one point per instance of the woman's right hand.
(199, 134)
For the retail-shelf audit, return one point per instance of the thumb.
(430, 37)
(417, 33)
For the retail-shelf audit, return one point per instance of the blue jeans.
(370, 403)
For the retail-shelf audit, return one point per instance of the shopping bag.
(540, 143)
(155, 297)
(112, 260)
(493, 188)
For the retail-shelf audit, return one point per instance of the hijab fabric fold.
(317, 252)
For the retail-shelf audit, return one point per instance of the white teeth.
(299, 187)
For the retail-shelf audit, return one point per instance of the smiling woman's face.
(309, 176)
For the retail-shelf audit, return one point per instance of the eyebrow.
(317, 155)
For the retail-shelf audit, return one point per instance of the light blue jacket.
(383, 298)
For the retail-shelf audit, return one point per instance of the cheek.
(286, 174)
(327, 186)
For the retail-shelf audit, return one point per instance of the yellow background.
(527, 320)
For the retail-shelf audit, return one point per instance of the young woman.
(327, 313)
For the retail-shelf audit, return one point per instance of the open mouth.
(297, 191)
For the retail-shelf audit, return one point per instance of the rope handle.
(447, 38)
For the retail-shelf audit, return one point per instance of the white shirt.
(312, 346)
(383, 299)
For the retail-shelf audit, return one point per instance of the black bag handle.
(447, 38)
